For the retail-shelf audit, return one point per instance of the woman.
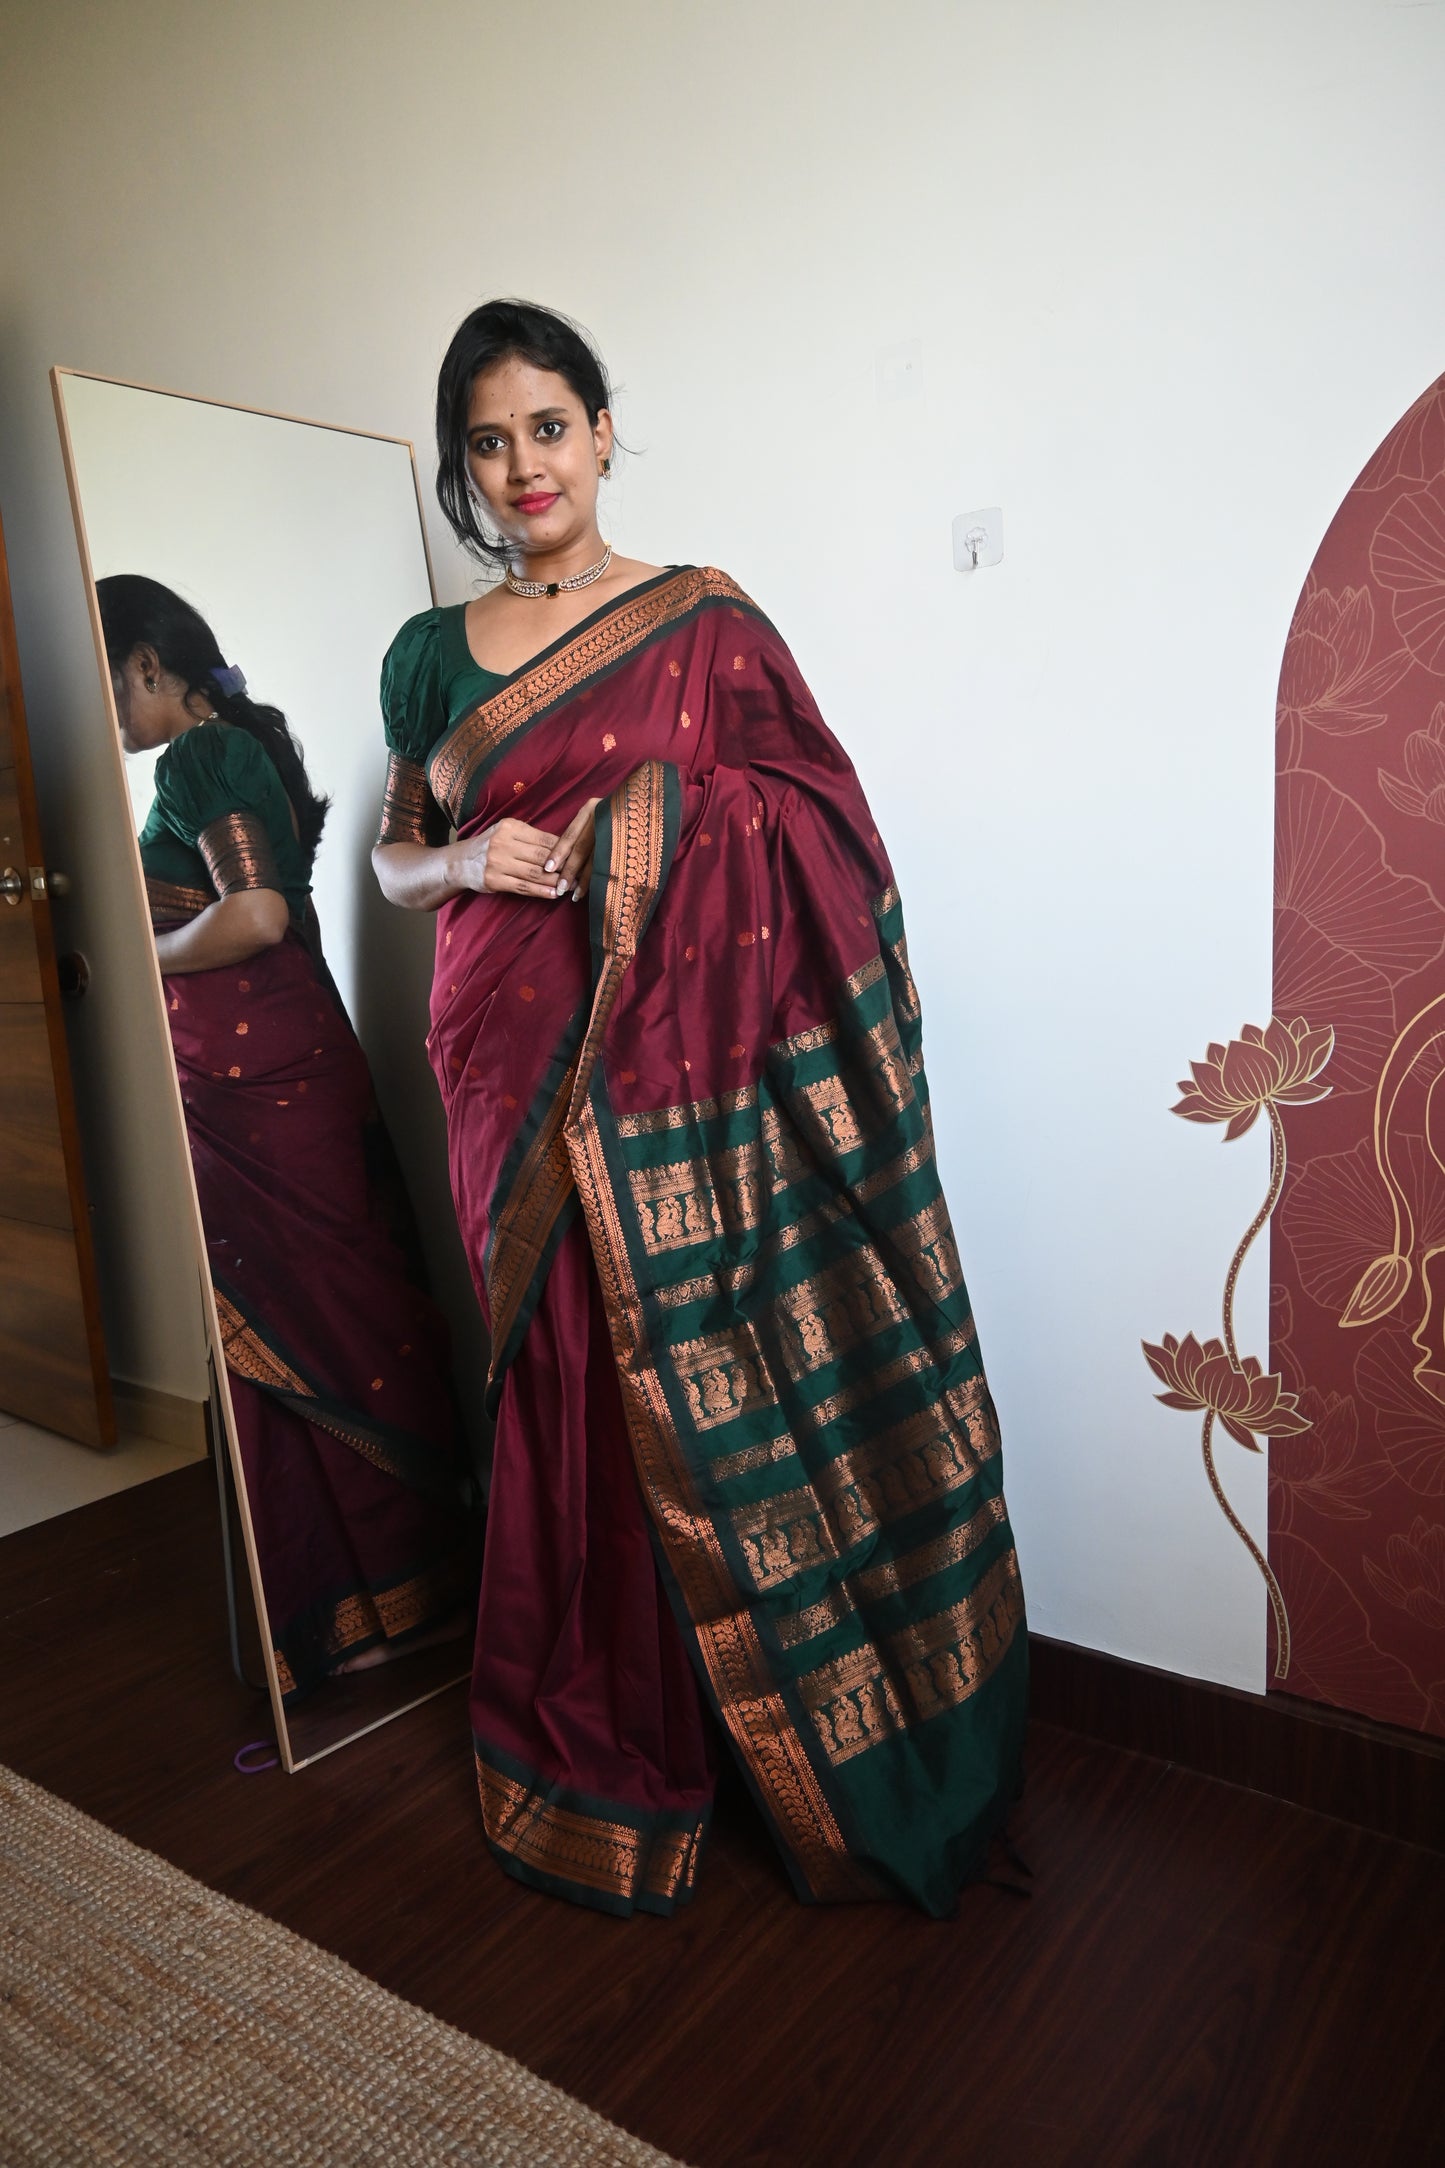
(743, 1435)
(336, 1353)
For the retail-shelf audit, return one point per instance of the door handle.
(41, 884)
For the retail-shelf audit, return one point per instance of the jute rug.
(146, 2020)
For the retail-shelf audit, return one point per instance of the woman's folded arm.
(226, 932)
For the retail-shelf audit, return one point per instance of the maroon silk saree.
(693, 1166)
(336, 1352)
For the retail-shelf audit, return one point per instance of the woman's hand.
(570, 864)
(510, 858)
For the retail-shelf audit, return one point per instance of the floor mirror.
(246, 572)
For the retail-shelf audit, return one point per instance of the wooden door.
(52, 1353)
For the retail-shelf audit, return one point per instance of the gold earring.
(150, 685)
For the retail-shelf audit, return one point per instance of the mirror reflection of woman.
(337, 1354)
(746, 1461)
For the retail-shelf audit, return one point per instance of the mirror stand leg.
(225, 1493)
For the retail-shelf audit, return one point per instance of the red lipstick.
(531, 506)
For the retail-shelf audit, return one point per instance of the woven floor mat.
(144, 2019)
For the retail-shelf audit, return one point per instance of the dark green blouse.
(221, 819)
(429, 681)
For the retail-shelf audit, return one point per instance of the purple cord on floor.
(254, 1768)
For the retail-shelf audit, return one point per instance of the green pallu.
(813, 1429)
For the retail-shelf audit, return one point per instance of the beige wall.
(1174, 271)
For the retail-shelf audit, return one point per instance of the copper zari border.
(604, 1854)
(918, 1671)
(523, 1229)
(483, 735)
(636, 822)
(372, 1448)
(388, 1612)
(750, 1704)
(170, 901)
(364, 1615)
(248, 1355)
(748, 1701)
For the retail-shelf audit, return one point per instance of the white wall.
(1175, 271)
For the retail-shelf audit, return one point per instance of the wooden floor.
(1203, 1975)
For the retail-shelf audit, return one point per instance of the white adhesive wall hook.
(977, 540)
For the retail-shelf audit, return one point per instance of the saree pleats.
(723, 1070)
(592, 1746)
(336, 1351)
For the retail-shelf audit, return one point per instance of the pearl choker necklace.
(560, 587)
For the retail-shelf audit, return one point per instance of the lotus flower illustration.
(1381, 1285)
(1413, 1578)
(1420, 791)
(1274, 1066)
(1277, 1064)
(1245, 1397)
(1324, 1465)
(1327, 678)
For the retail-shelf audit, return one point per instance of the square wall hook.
(978, 540)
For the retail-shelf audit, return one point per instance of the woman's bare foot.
(450, 1629)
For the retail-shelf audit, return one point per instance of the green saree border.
(636, 839)
(535, 1197)
(258, 1353)
(583, 657)
(609, 1857)
(367, 1614)
(836, 1618)
(636, 836)
(778, 1759)
(532, 1206)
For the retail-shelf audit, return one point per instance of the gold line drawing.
(1265, 1068)
(1386, 1281)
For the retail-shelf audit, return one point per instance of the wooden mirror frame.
(354, 1702)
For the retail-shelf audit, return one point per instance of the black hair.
(135, 612)
(495, 332)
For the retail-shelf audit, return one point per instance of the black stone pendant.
(552, 588)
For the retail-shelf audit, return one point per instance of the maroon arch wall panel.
(1357, 1245)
